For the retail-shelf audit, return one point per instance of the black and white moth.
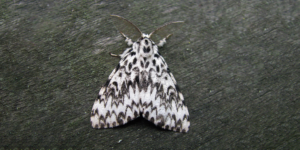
(141, 84)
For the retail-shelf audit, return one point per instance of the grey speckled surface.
(237, 63)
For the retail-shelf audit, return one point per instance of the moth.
(141, 84)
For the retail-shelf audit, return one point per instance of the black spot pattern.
(146, 115)
(129, 66)
(118, 66)
(115, 83)
(152, 119)
(136, 114)
(177, 88)
(125, 57)
(146, 50)
(160, 124)
(129, 83)
(154, 62)
(168, 70)
(134, 61)
(128, 119)
(137, 80)
(107, 82)
(147, 64)
(132, 53)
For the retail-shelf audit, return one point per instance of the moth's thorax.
(146, 47)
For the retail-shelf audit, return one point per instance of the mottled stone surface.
(236, 62)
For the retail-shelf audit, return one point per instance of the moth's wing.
(163, 103)
(118, 100)
(126, 27)
(165, 31)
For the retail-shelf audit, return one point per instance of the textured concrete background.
(236, 61)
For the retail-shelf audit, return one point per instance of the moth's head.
(144, 35)
(146, 46)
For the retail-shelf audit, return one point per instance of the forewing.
(126, 27)
(162, 102)
(118, 100)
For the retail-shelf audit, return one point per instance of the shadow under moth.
(141, 84)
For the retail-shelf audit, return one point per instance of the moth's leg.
(127, 40)
(114, 55)
(163, 41)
